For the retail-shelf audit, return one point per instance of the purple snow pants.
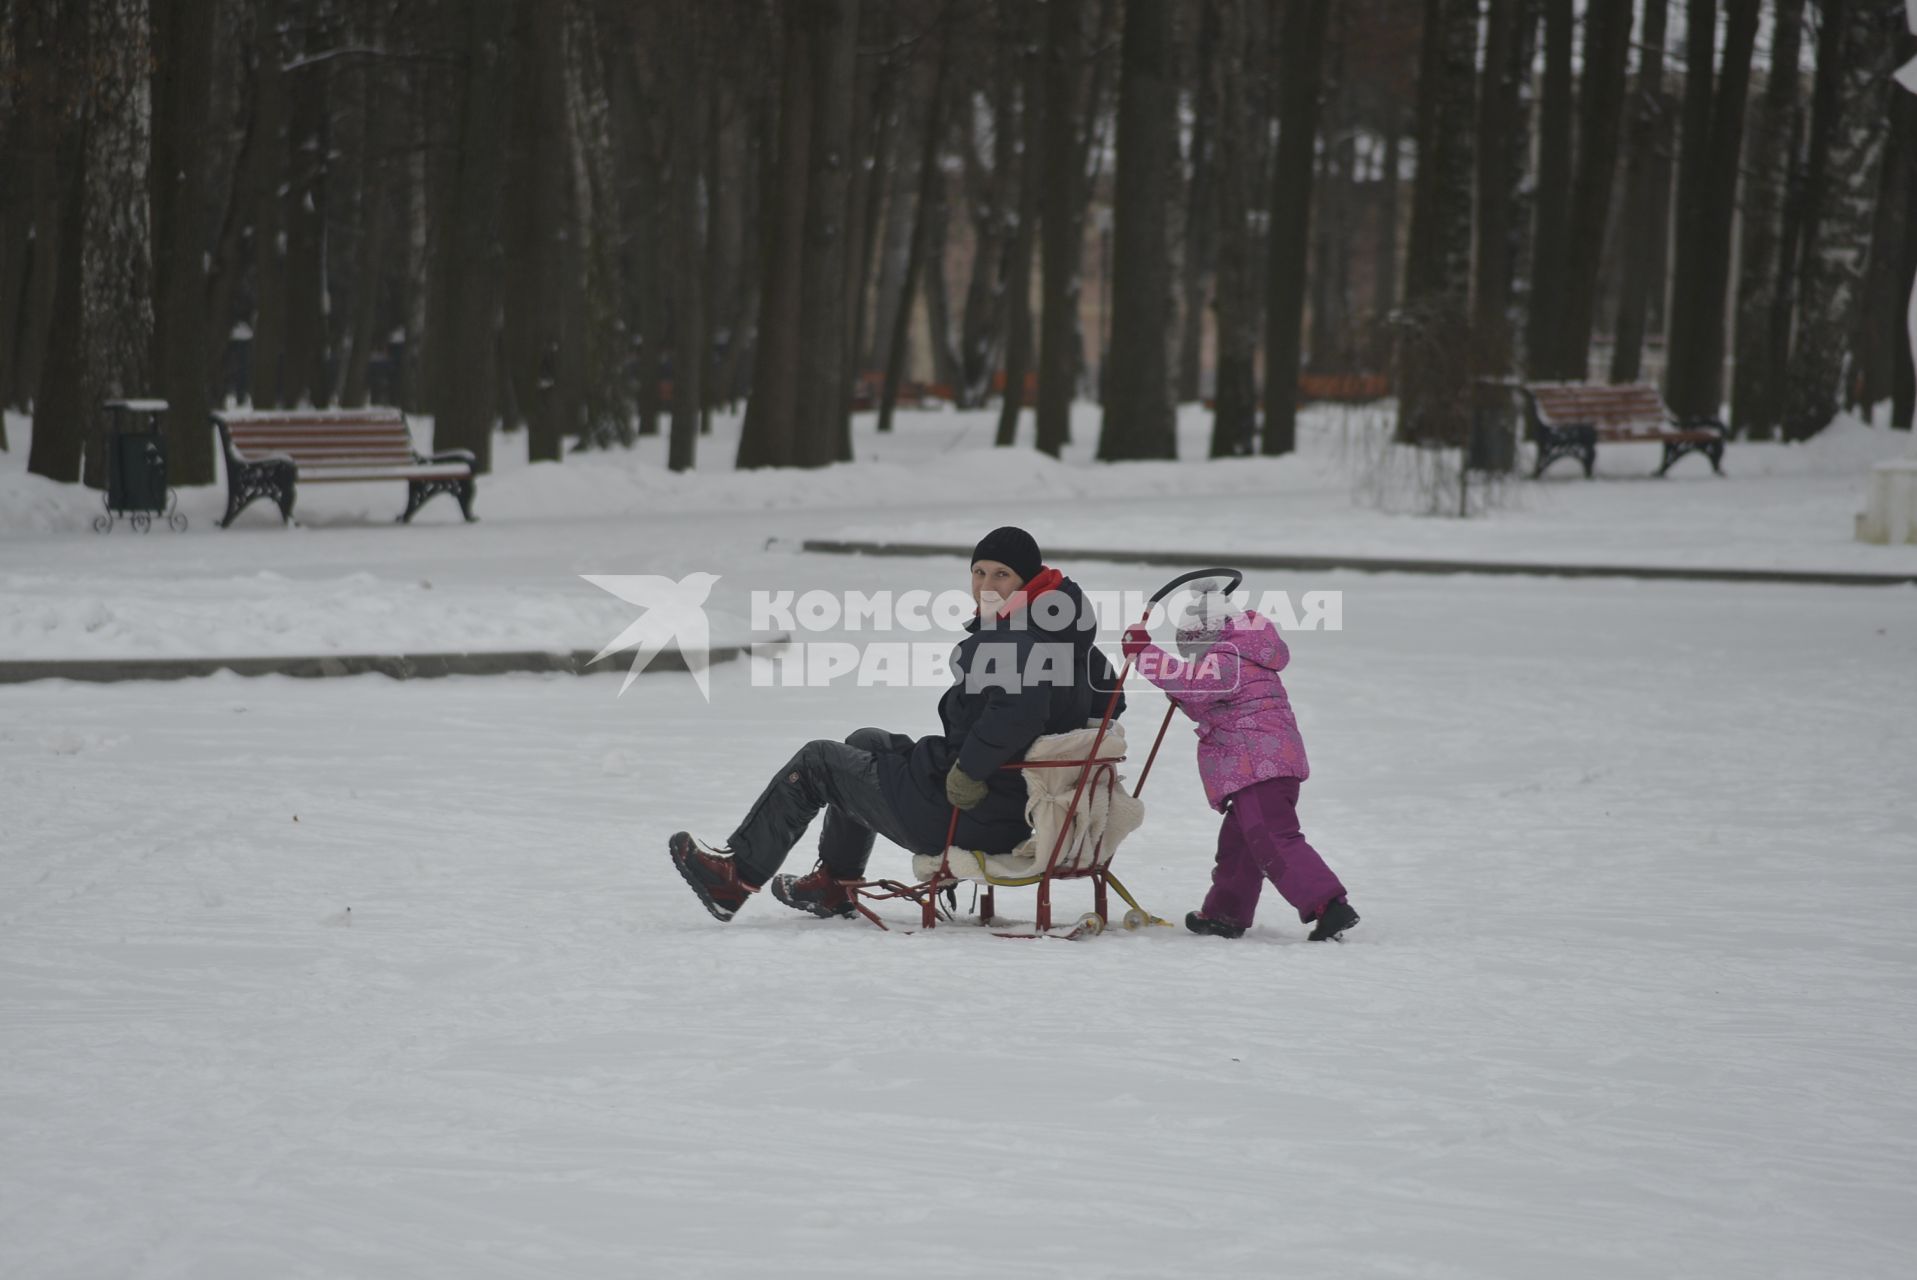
(1260, 841)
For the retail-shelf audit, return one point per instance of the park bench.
(270, 454)
(1569, 418)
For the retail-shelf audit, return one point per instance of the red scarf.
(1046, 579)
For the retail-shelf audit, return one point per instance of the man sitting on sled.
(1029, 665)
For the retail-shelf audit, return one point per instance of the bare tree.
(1138, 413)
(1647, 195)
(1434, 332)
(1235, 419)
(1291, 184)
(921, 249)
(1607, 44)
(1763, 328)
(1553, 208)
(1707, 196)
(1838, 254)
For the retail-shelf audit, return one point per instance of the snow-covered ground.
(349, 581)
(360, 978)
(1633, 996)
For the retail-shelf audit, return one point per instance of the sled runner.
(1079, 814)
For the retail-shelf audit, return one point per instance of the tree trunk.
(1435, 390)
(934, 293)
(1647, 196)
(60, 408)
(1058, 333)
(50, 57)
(1607, 46)
(1291, 178)
(1235, 418)
(466, 330)
(1201, 222)
(183, 55)
(116, 300)
(989, 192)
(1551, 239)
(1694, 380)
(1881, 330)
(685, 232)
(767, 437)
(1838, 255)
(921, 247)
(1385, 300)
(1499, 108)
(266, 354)
(536, 234)
(374, 219)
(1018, 275)
(1138, 411)
(1756, 400)
(303, 206)
(821, 387)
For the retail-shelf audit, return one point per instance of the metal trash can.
(136, 468)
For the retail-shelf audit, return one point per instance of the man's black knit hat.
(1012, 547)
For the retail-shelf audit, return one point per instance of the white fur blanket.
(1106, 813)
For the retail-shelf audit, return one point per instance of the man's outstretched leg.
(845, 843)
(840, 777)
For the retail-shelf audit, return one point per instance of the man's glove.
(962, 789)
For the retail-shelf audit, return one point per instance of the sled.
(1072, 839)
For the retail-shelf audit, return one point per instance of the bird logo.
(674, 615)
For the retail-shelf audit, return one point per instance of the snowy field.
(359, 978)
(1633, 995)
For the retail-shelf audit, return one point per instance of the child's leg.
(1237, 878)
(1268, 812)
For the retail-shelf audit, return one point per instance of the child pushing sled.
(1252, 760)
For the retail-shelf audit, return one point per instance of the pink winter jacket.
(1246, 731)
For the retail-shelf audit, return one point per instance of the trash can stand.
(136, 469)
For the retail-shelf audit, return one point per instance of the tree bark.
(116, 263)
(60, 407)
(921, 246)
(1018, 276)
(183, 55)
(1291, 181)
(1201, 222)
(1138, 410)
(1058, 327)
(465, 341)
(1499, 108)
(1838, 255)
(821, 433)
(1695, 377)
(1881, 331)
(1235, 418)
(686, 232)
(767, 437)
(1756, 402)
(1647, 196)
(1434, 360)
(1550, 239)
(303, 210)
(266, 353)
(536, 235)
(1607, 46)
